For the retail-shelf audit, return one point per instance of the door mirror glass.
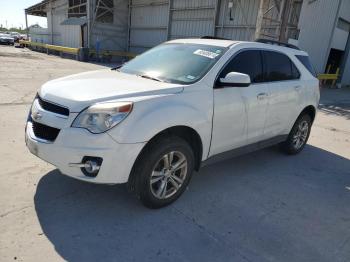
(235, 79)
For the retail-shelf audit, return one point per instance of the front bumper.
(72, 144)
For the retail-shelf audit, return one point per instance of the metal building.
(83, 23)
(137, 25)
(155, 22)
(325, 35)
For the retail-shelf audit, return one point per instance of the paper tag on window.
(190, 77)
(204, 53)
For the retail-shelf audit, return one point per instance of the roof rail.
(273, 42)
(213, 37)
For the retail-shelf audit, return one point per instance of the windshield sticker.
(190, 77)
(204, 53)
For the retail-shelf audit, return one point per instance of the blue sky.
(12, 12)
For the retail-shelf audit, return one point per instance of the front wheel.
(163, 171)
(298, 136)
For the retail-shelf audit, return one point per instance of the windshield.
(175, 63)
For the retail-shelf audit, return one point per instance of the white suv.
(182, 104)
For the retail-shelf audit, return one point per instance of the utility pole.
(26, 18)
(88, 14)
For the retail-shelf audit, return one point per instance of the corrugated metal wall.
(40, 35)
(240, 24)
(316, 28)
(148, 24)
(345, 10)
(345, 14)
(192, 18)
(65, 35)
(153, 22)
(112, 36)
(346, 72)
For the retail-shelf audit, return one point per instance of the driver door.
(240, 112)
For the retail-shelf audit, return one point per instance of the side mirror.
(235, 79)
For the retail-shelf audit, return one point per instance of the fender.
(151, 115)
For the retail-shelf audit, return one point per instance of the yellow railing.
(63, 49)
(75, 51)
(24, 42)
(325, 77)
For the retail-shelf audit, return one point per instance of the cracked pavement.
(264, 206)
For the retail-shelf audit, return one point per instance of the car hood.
(6, 37)
(81, 90)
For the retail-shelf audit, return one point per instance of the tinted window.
(279, 67)
(295, 71)
(306, 62)
(246, 62)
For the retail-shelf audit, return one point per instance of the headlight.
(101, 117)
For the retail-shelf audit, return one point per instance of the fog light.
(90, 166)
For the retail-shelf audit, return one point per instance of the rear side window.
(306, 62)
(247, 62)
(295, 71)
(278, 67)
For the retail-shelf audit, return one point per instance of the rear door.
(283, 81)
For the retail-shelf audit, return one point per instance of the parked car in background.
(165, 113)
(6, 39)
(23, 37)
(16, 36)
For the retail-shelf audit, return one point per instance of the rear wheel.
(298, 136)
(163, 171)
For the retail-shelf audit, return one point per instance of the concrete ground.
(264, 206)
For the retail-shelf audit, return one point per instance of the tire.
(154, 180)
(298, 136)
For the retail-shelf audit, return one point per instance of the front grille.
(45, 132)
(53, 107)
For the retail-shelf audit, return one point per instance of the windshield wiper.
(116, 68)
(151, 77)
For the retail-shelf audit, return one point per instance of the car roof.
(201, 41)
(232, 43)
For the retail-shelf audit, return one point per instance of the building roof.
(37, 9)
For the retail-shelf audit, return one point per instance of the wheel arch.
(309, 110)
(187, 133)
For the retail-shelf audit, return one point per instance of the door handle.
(262, 96)
(297, 87)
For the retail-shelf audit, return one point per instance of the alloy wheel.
(300, 135)
(168, 175)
